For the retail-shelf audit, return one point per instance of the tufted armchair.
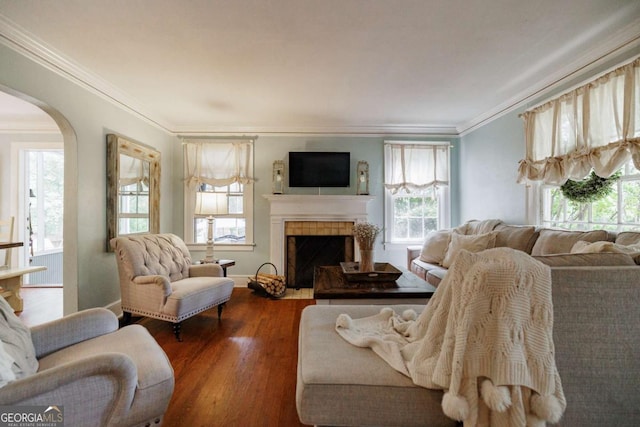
(158, 280)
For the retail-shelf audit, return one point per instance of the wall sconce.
(362, 180)
(278, 177)
(210, 204)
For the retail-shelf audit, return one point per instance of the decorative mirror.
(133, 188)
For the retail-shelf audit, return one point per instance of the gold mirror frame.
(117, 146)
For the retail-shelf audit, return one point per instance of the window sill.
(231, 247)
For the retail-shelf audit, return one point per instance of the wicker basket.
(269, 285)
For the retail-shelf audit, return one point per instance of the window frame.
(443, 196)
(248, 207)
(536, 206)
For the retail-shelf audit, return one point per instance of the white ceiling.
(361, 66)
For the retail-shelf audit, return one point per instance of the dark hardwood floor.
(237, 371)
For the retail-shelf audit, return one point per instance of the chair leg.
(126, 318)
(176, 330)
(220, 307)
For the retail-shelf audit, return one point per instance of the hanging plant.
(590, 189)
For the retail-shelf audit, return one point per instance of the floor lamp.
(210, 204)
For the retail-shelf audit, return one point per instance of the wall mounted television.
(319, 169)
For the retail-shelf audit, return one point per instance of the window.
(417, 190)
(221, 166)
(619, 211)
(133, 195)
(229, 228)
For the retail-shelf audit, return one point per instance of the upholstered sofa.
(95, 373)
(556, 248)
(596, 325)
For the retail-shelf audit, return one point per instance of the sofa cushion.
(560, 241)
(519, 237)
(471, 243)
(603, 247)
(628, 238)
(435, 276)
(475, 226)
(341, 384)
(435, 246)
(585, 259)
(18, 355)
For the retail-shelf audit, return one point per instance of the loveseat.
(596, 325)
(556, 248)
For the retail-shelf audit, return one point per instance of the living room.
(486, 146)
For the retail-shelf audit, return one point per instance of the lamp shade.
(208, 203)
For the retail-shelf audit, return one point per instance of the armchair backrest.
(152, 254)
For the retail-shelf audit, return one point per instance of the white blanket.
(485, 338)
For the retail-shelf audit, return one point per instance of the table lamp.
(210, 204)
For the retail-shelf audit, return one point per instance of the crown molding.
(20, 40)
(620, 42)
(293, 130)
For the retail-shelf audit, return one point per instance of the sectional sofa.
(596, 329)
(556, 248)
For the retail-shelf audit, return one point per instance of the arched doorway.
(34, 131)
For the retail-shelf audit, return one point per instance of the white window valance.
(218, 162)
(596, 126)
(415, 167)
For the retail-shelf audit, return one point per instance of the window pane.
(414, 217)
(134, 225)
(631, 202)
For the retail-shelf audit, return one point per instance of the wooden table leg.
(11, 287)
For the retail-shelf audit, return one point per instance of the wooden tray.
(383, 272)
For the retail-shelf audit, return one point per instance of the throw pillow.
(16, 342)
(561, 241)
(471, 243)
(435, 246)
(519, 237)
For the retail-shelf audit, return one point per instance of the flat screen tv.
(319, 169)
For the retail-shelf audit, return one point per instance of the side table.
(225, 263)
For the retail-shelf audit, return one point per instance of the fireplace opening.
(304, 253)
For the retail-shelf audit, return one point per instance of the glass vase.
(366, 260)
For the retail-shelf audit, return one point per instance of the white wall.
(90, 274)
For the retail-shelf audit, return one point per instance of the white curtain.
(218, 162)
(596, 126)
(415, 167)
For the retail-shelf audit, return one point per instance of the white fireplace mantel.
(297, 207)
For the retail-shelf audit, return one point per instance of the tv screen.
(319, 169)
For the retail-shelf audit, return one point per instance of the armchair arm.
(72, 329)
(161, 281)
(206, 270)
(107, 383)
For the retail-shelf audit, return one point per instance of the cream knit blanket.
(485, 338)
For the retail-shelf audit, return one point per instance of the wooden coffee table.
(330, 286)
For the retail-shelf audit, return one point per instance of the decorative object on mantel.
(589, 190)
(278, 177)
(365, 234)
(210, 204)
(362, 179)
